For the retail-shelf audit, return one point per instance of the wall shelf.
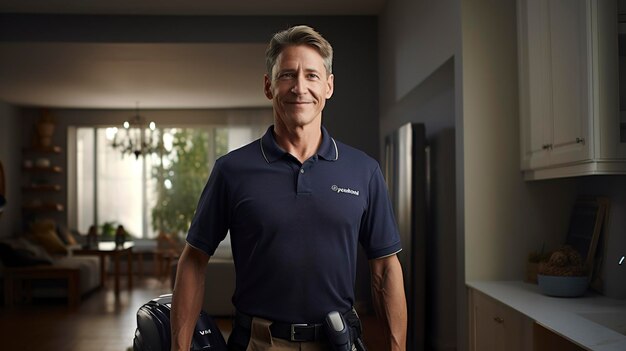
(51, 169)
(43, 208)
(40, 191)
(37, 169)
(42, 187)
(43, 150)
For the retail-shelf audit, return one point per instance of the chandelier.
(138, 138)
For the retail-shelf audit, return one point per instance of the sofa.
(40, 264)
(219, 283)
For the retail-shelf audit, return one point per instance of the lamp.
(138, 139)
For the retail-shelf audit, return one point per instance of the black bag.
(153, 329)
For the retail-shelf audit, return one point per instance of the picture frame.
(589, 218)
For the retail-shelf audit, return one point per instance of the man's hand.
(188, 296)
(389, 299)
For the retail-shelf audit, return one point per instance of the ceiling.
(196, 7)
(84, 75)
(105, 75)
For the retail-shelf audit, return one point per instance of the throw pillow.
(50, 241)
(66, 235)
(43, 225)
(18, 252)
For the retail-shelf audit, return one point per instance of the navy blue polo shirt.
(295, 227)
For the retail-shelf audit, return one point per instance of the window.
(151, 193)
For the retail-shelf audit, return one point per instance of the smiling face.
(299, 87)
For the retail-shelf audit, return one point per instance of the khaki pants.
(261, 340)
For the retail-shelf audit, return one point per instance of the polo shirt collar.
(272, 152)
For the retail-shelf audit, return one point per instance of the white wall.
(501, 221)
(505, 217)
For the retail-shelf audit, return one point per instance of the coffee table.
(108, 248)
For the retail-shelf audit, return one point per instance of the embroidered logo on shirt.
(339, 190)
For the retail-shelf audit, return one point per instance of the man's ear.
(331, 85)
(267, 87)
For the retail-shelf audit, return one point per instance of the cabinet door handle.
(580, 140)
(498, 320)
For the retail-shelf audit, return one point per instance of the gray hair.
(298, 35)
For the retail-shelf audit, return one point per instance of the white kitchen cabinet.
(494, 326)
(568, 88)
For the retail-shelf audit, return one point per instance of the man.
(297, 204)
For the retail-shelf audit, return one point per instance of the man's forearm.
(187, 299)
(389, 300)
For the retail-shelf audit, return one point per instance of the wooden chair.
(17, 282)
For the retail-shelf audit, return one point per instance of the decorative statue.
(92, 237)
(45, 128)
(120, 236)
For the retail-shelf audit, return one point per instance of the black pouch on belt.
(344, 331)
(353, 320)
(338, 332)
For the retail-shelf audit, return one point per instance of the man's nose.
(299, 86)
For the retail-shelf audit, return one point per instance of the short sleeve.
(210, 222)
(379, 231)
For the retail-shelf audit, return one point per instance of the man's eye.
(313, 76)
(286, 75)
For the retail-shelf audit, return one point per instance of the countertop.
(561, 315)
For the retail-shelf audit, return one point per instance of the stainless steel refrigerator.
(420, 175)
(406, 172)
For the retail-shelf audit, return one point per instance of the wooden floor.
(101, 323)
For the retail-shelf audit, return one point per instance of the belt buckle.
(293, 332)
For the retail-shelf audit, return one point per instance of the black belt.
(296, 332)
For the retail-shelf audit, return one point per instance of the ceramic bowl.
(562, 286)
